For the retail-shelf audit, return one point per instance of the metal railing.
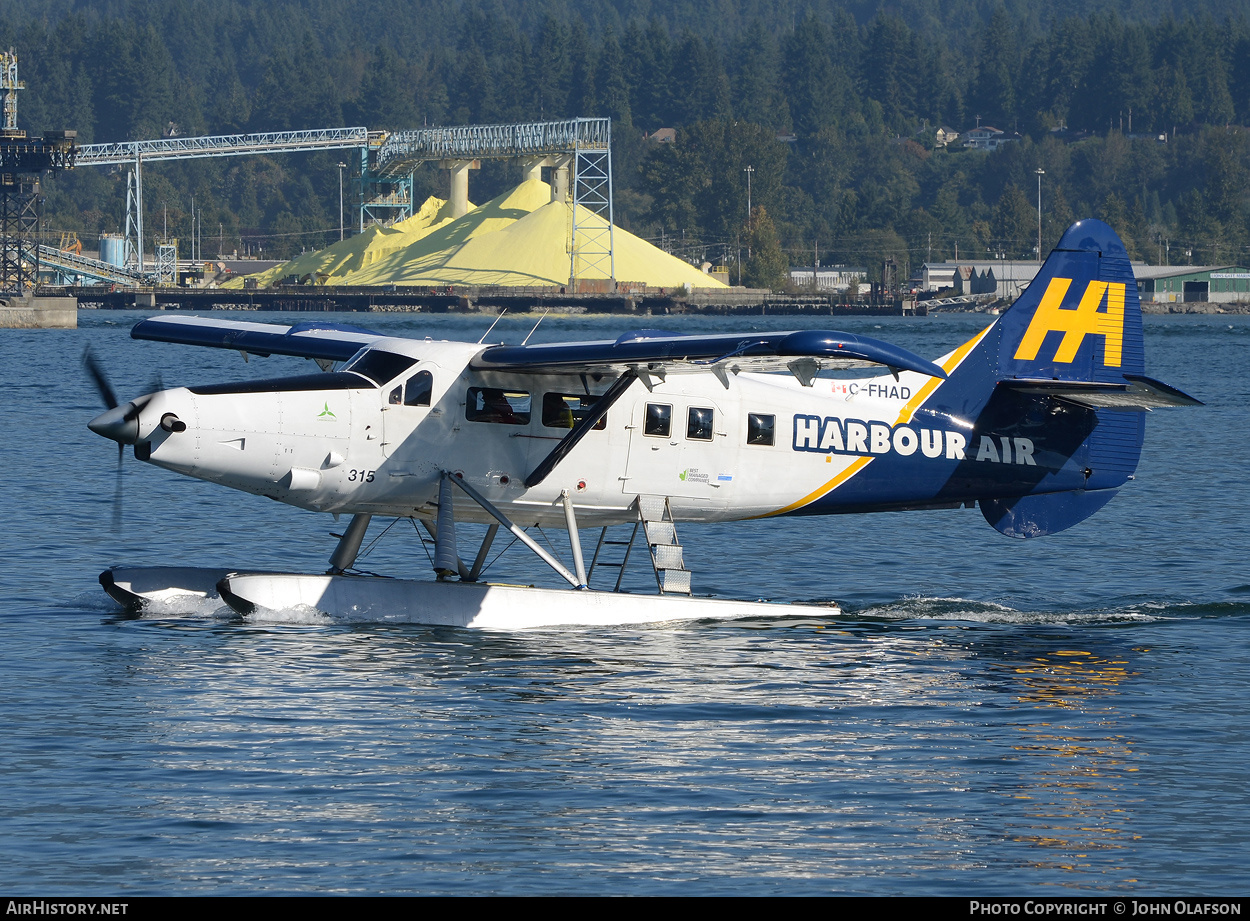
(69, 265)
(224, 145)
(403, 150)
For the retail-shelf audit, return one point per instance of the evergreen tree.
(386, 99)
(993, 91)
(889, 79)
(812, 84)
(1014, 224)
(611, 85)
(757, 97)
(768, 266)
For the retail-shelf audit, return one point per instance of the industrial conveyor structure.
(134, 153)
(576, 149)
(73, 269)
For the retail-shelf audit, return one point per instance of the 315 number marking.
(360, 476)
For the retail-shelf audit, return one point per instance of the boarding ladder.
(655, 521)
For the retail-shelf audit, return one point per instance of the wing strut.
(583, 425)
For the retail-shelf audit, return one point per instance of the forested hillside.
(1131, 108)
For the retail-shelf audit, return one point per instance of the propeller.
(121, 424)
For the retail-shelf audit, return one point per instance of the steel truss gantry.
(19, 229)
(403, 151)
(223, 145)
(591, 249)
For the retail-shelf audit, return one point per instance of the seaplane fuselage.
(346, 443)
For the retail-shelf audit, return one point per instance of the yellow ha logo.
(1076, 324)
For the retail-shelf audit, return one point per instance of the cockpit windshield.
(379, 366)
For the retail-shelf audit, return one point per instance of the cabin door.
(677, 447)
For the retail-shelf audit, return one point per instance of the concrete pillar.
(458, 182)
(560, 171)
(532, 167)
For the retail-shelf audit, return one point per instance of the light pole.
(749, 170)
(343, 166)
(1040, 173)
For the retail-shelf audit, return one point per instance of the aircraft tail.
(1063, 370)
(1080, 319)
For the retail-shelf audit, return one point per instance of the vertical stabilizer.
(1080, 319)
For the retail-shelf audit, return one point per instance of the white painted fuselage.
(751, 444)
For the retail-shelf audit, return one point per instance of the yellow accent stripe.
(949, 364)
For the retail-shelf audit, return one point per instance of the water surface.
(1059, 716)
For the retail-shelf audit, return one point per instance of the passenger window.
(418, 389)
(490, 404)
(760, 429)
(699, 423)
(659, 420)
(562, 410)
(397, 396)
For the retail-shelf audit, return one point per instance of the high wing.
(320, 341)
(803, 353)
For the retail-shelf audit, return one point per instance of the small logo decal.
(326, 414)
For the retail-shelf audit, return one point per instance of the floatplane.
(1038, 420)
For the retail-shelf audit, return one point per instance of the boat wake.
(921, 608)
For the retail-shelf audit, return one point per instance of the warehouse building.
(1219, 284)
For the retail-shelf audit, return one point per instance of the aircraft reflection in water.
(1075, 789)
(1038, 420)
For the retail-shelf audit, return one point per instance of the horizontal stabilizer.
(1134, 393)
(326, 341)
(662, 352)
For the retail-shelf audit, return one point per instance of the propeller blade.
(155, 386)
(117, 493)
(96, 372)
(135, 408)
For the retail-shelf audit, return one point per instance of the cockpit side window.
(379, 366)
(418, 389)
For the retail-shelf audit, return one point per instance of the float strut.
(516, 532)
(480, 561)
(575, 539)
(344, 556)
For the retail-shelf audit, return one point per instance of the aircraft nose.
(121, 424)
